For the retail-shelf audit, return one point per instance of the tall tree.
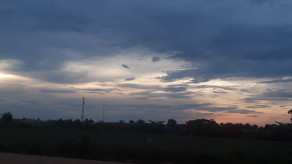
(7, 118)
(290, 112)
(171, 123)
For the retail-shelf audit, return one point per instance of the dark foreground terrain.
(142, 147)
(8, 158)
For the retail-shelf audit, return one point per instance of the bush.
(7, 118)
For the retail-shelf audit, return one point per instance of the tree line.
(198, 127)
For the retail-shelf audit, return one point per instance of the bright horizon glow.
(120, 94)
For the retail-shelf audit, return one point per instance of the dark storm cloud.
(173, 95)
(253, 116)
(90, 90)
(237, 68)
(176, 88)
(287, 80)
(216, 87)
(130, 79)
(57, 91)
(125, 66)
(138, 86)
(272, 95)
(243, 111)
(221, 39)
(98, 90)
(259, 106)
(156, 59)
(219, 92)
(245, 90)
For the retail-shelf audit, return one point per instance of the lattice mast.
(82, 115)
(102, 112)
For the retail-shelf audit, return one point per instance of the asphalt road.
(7, 158)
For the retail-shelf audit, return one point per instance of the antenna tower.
(83, 109)
(103, 113)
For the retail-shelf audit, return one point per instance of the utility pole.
(83, 109)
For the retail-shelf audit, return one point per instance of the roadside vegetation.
(196, 141)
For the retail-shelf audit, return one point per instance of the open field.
(141, 147)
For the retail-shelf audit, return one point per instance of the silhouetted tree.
(121, 122)
(156, 126)
(77, 123)
(231, 130)
(156, 122)
(203, 127)
(7, 118)
(171, 123)
(290, 112)
(88, 122)
(140, 122)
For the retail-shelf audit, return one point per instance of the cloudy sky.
(157, 59)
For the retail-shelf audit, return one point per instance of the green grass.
(142, 147)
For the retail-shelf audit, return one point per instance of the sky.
(154, 60)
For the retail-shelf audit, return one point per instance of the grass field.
(141, 147)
